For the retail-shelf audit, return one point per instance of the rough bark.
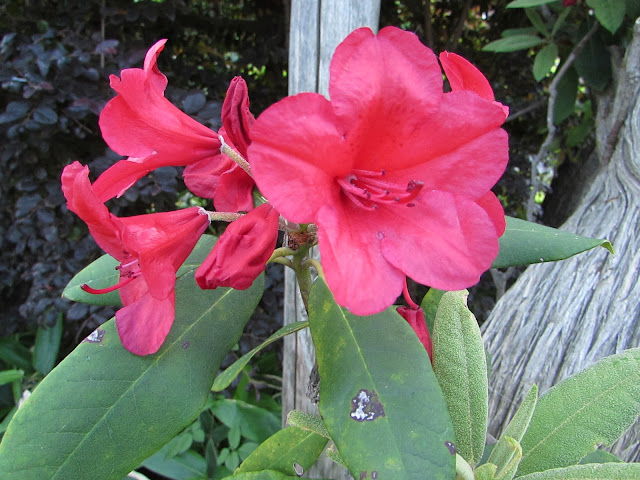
(559, 318)
(316, 28)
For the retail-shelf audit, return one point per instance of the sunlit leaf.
(285, 448)
(591, 408)
(513, 43)
(525, 243)
(460, 365)
(594, 471)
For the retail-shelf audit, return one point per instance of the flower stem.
(235, 156)
(224, 216)
(303, 273)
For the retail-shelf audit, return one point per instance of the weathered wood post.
(316, 28)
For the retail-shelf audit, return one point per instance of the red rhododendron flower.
(242, 251)
(415, 318)
(219, 177)
(150, 249)
(463, 75)
(395, 173)
(143, 125)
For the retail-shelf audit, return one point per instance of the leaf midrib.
(142, 374)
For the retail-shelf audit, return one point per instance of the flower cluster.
(141, 124)
(394, 173)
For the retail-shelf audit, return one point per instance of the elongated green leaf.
(528, 3)
(486, 471)
(513, 43)
(524, 243)
(100, 273)
(536, 20)
(429, 305)
(263, 475)
(503, 453)
(591, 408)
(8, 376)
(225, 379)
(308, 421)
(45, 350)
(545, 59)
(186, 466)
(593, 471)
(285, 448)
(610, 13)
(379, 398)
(599, 456)
(567, 93)
(460, 366)
(103, 410)
(594, 62)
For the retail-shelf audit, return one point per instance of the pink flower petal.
(357, 274)
(463, 75)
(458, 235)
(143, 325)
(287, 170)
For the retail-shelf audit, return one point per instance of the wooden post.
(316, 28)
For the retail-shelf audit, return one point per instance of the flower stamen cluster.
(366, 190)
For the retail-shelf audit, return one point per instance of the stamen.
(367, 189)
(99, 291)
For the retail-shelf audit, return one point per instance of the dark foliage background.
(56, 57)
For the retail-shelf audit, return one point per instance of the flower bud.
(242, 251)
(415, 318)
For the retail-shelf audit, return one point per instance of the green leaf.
(286, 447)
(610, 13)
(503, 453)
(9, 376)
(229, 375)
(566, 99)
(100, 273)
(599, 456)
(528, 3)
(186, 466)
(13, 353)
(513, 43)
(387, 417)
(45, 350)
(594, 471)
(525, 243)
(256, 423)
(430, 304)
(263, 475)
(486, 471)
(308, 421)
(103, 410)
(591, 408)
(560, 20)
(545, 60)
(594, 62)
(460, 366)
(537, 21)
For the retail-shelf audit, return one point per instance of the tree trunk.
(316, 29)
(559, 318)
